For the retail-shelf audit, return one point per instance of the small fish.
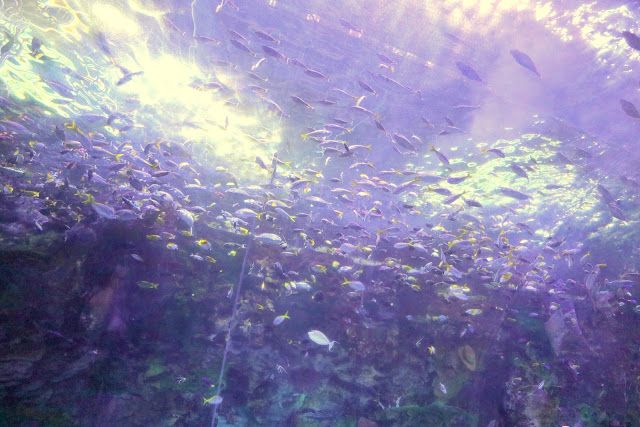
(127, 77)
(318, 132)
(321, 339)
(403, 142)
(452, 198)
(355, 285)
(366, 87)
(384, 58)
(172, 246)
(443, 389)
(242, 46)
(281, 318)
(213, 400)
(495, 151)
(348, 25)
(629, 109)
(632, 40)
(519, 171)
(237, 35)
(204, 244)
(473, 203)
(457, 179)
(147, 285)
(274, 53)
(425, 120)
(616, 212)
(265, 36)
(468, 72)
(301, 101)
(509, 192)
(524, 60)
(314, 73)
(440, 156)
(104, 211)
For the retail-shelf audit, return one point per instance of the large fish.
(632, 40)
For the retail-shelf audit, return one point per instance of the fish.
(457, 179)
(186, 217)
(519, 171)
(468, 72)
(279, 319)
(440, 156)
(403, 142)
(213, 400)
(632, 40)
(473, 203)
(6, 48)
(384, 58)
(147, 285)
(104, 211)
(355, 285)
(274, 53)
(36, 44)
(265, 36)
(204, 244)
(242, 46)
(495, 151)
(524, 60)
(237, 35)
(301, 101)
(270, 239)
(452, 198)
(317, 132)
(443, 389)
(316, 74)
(616, 212)
(127, 77)
(427, 122)
(366, 87)
(348, 25)
(606, 195)
(629, 108)
(509, 192)
(321, 339)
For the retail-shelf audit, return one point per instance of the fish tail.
(71, 125)
(432, 148)
(304, 136)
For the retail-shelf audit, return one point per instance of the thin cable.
(231, 324)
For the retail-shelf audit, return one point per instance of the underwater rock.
(74, 368)
(364, 422)
(541, 409)
(564, 332)
(17, 364)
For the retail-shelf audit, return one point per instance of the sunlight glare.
(114, 20)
